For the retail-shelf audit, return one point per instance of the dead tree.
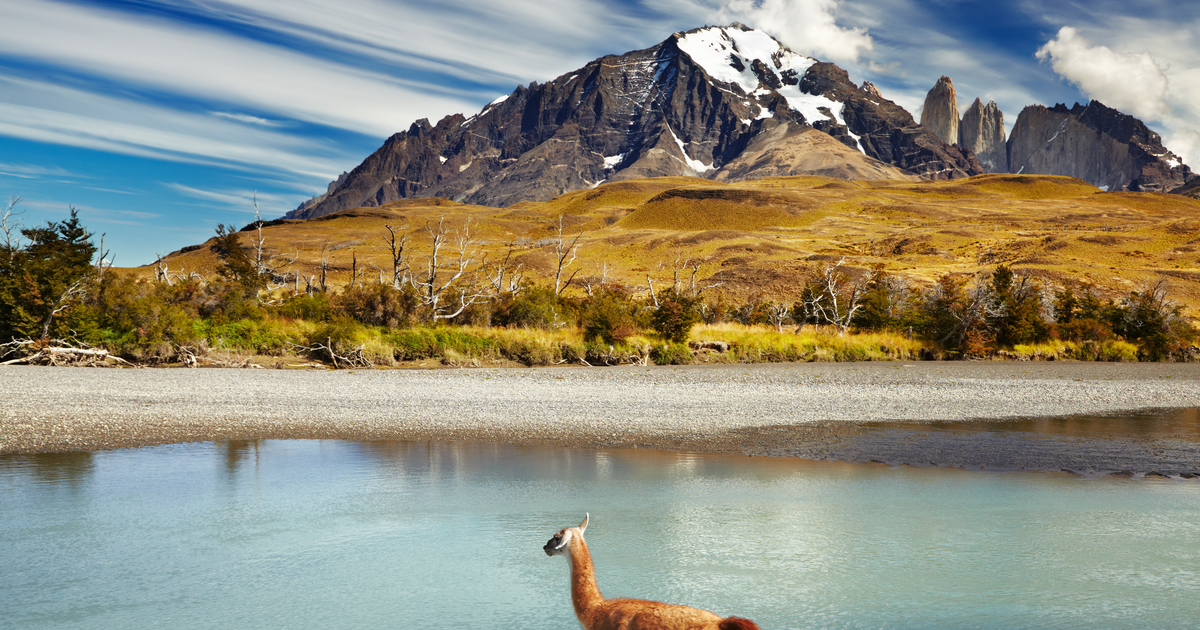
(777, 314)
(496, 276)
(440, 278)
(591, 282)
(101, 256)
(400, 266)
(10, 222)
(565, 254)
(837, 298)
(267, 265)
(323, 266)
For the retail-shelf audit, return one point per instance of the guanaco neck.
(584, 592)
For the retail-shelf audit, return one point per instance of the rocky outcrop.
(982, 131)
(1095, 143)
(688, 106)
(886, 131)
(1190, 189)
(940, 114)
(791, 148)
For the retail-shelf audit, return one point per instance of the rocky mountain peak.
(982, 131)
(940, 114)
(1096, 143)
(690, 105)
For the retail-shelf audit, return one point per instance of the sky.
(160, 119)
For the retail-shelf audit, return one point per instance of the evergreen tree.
(42, 278)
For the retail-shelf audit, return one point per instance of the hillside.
(725, 103)
(762, 237)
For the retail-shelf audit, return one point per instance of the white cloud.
(239, 200)
(1131, 82)
(1185, 143)
(208, 65)
(49, 113)
(498, 42)
(33, 171)
(246, 118)
(808, 27)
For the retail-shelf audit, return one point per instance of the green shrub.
(316, 307)
(671, 354)
(607, 317)
(675, 316)
(533, 307)
(377, 305)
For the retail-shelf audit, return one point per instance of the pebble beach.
(845, 411)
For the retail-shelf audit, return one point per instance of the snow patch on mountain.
(729, 54)
(695, 165)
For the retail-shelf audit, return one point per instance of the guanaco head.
(562, 540)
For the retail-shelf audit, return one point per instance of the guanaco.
(596, 613)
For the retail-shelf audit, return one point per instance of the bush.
(377, 305)
(608, 317)
(316, 307)
(675, 316)
(671, 354)
(533, 307)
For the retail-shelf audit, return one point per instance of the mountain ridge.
(689, 105)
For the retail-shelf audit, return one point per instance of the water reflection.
(237, 453)
(312, 534)
(69, 470)
(1181, 424)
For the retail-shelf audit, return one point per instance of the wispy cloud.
(237, 200)
(248, 119)
(211, 65)
(50, 113)
(33, 171)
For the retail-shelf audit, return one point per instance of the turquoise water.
(308, 534)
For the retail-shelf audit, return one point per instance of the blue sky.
(159, 119)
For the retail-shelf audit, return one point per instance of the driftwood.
(58, 352)
(355, 357)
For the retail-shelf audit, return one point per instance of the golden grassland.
(761, 237)
(477, 346)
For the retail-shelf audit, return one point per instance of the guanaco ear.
(583, 525)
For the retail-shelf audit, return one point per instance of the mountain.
(692, 105)
(982, 131)
(1096, 143)
(940, 112)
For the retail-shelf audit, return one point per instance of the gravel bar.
(816, 410)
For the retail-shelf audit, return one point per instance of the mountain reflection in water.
(320, 534)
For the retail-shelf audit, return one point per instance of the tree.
(675, 316)
(564, 254)
(236, 263)
(835, 297)
(953, 314)
(1154, 321)
(1015, 309)
(42, 278)
(444, 286)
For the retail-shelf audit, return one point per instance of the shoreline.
(897, 413)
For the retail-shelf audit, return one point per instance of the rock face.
(1095, 143)
(792, 148)
(982, 131)
(940, 114)
(1190, 189)
(688, 106)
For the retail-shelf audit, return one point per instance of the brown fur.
(596, 613)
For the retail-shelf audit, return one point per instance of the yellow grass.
(763, 237)
(764, 344)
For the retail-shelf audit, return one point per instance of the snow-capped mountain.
(725, 103)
